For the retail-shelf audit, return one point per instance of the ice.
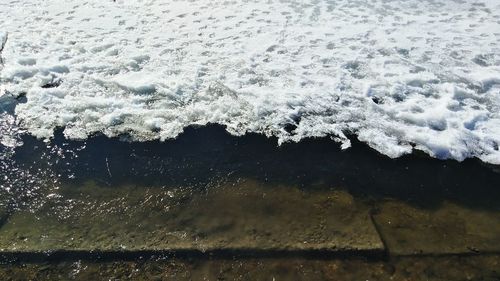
(399, 75)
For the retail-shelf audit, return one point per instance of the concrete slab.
(235, 215)
(447, 229)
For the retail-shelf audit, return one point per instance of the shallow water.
(210, 195)
(203, 158)
(414, 269)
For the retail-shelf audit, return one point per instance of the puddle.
(209, 194)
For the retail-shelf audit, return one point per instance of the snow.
(401, 75)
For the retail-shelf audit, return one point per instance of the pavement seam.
(372, 214)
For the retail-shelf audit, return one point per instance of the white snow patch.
(401, 75)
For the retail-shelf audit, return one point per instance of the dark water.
(237, 204)
(201, 155)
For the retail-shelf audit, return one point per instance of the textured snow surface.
(399, 74)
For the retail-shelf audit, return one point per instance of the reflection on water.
(204, 155)
(207, 191)
(200, 155)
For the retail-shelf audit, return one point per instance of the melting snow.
(401, 75)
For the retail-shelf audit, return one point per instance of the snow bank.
(401, 75)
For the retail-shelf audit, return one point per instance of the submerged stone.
(236, 215)
(446, 229)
